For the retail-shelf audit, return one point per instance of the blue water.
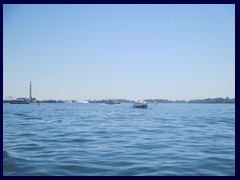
(99, 139)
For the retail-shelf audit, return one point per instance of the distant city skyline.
(81, 52)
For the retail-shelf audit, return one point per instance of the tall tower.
(30, 97)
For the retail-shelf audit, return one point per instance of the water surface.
(98, 139)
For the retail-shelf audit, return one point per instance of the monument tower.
(30, 97)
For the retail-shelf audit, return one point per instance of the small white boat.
(140, 104)
(82, 102)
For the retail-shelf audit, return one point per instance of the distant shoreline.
(208, 100)
(198, 101)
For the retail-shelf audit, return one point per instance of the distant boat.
(20, 101)
(82, 102)
(140, 104)
(112, 101)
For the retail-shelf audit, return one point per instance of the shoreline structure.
(23, 100)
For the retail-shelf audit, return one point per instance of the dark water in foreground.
(99, 139)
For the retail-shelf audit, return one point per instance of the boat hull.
(140, 106)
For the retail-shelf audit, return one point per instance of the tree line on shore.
(208, 100)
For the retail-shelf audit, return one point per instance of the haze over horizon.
(81, 52)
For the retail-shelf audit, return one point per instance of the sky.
(81, 52)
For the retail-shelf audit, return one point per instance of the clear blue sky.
(119, 51)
